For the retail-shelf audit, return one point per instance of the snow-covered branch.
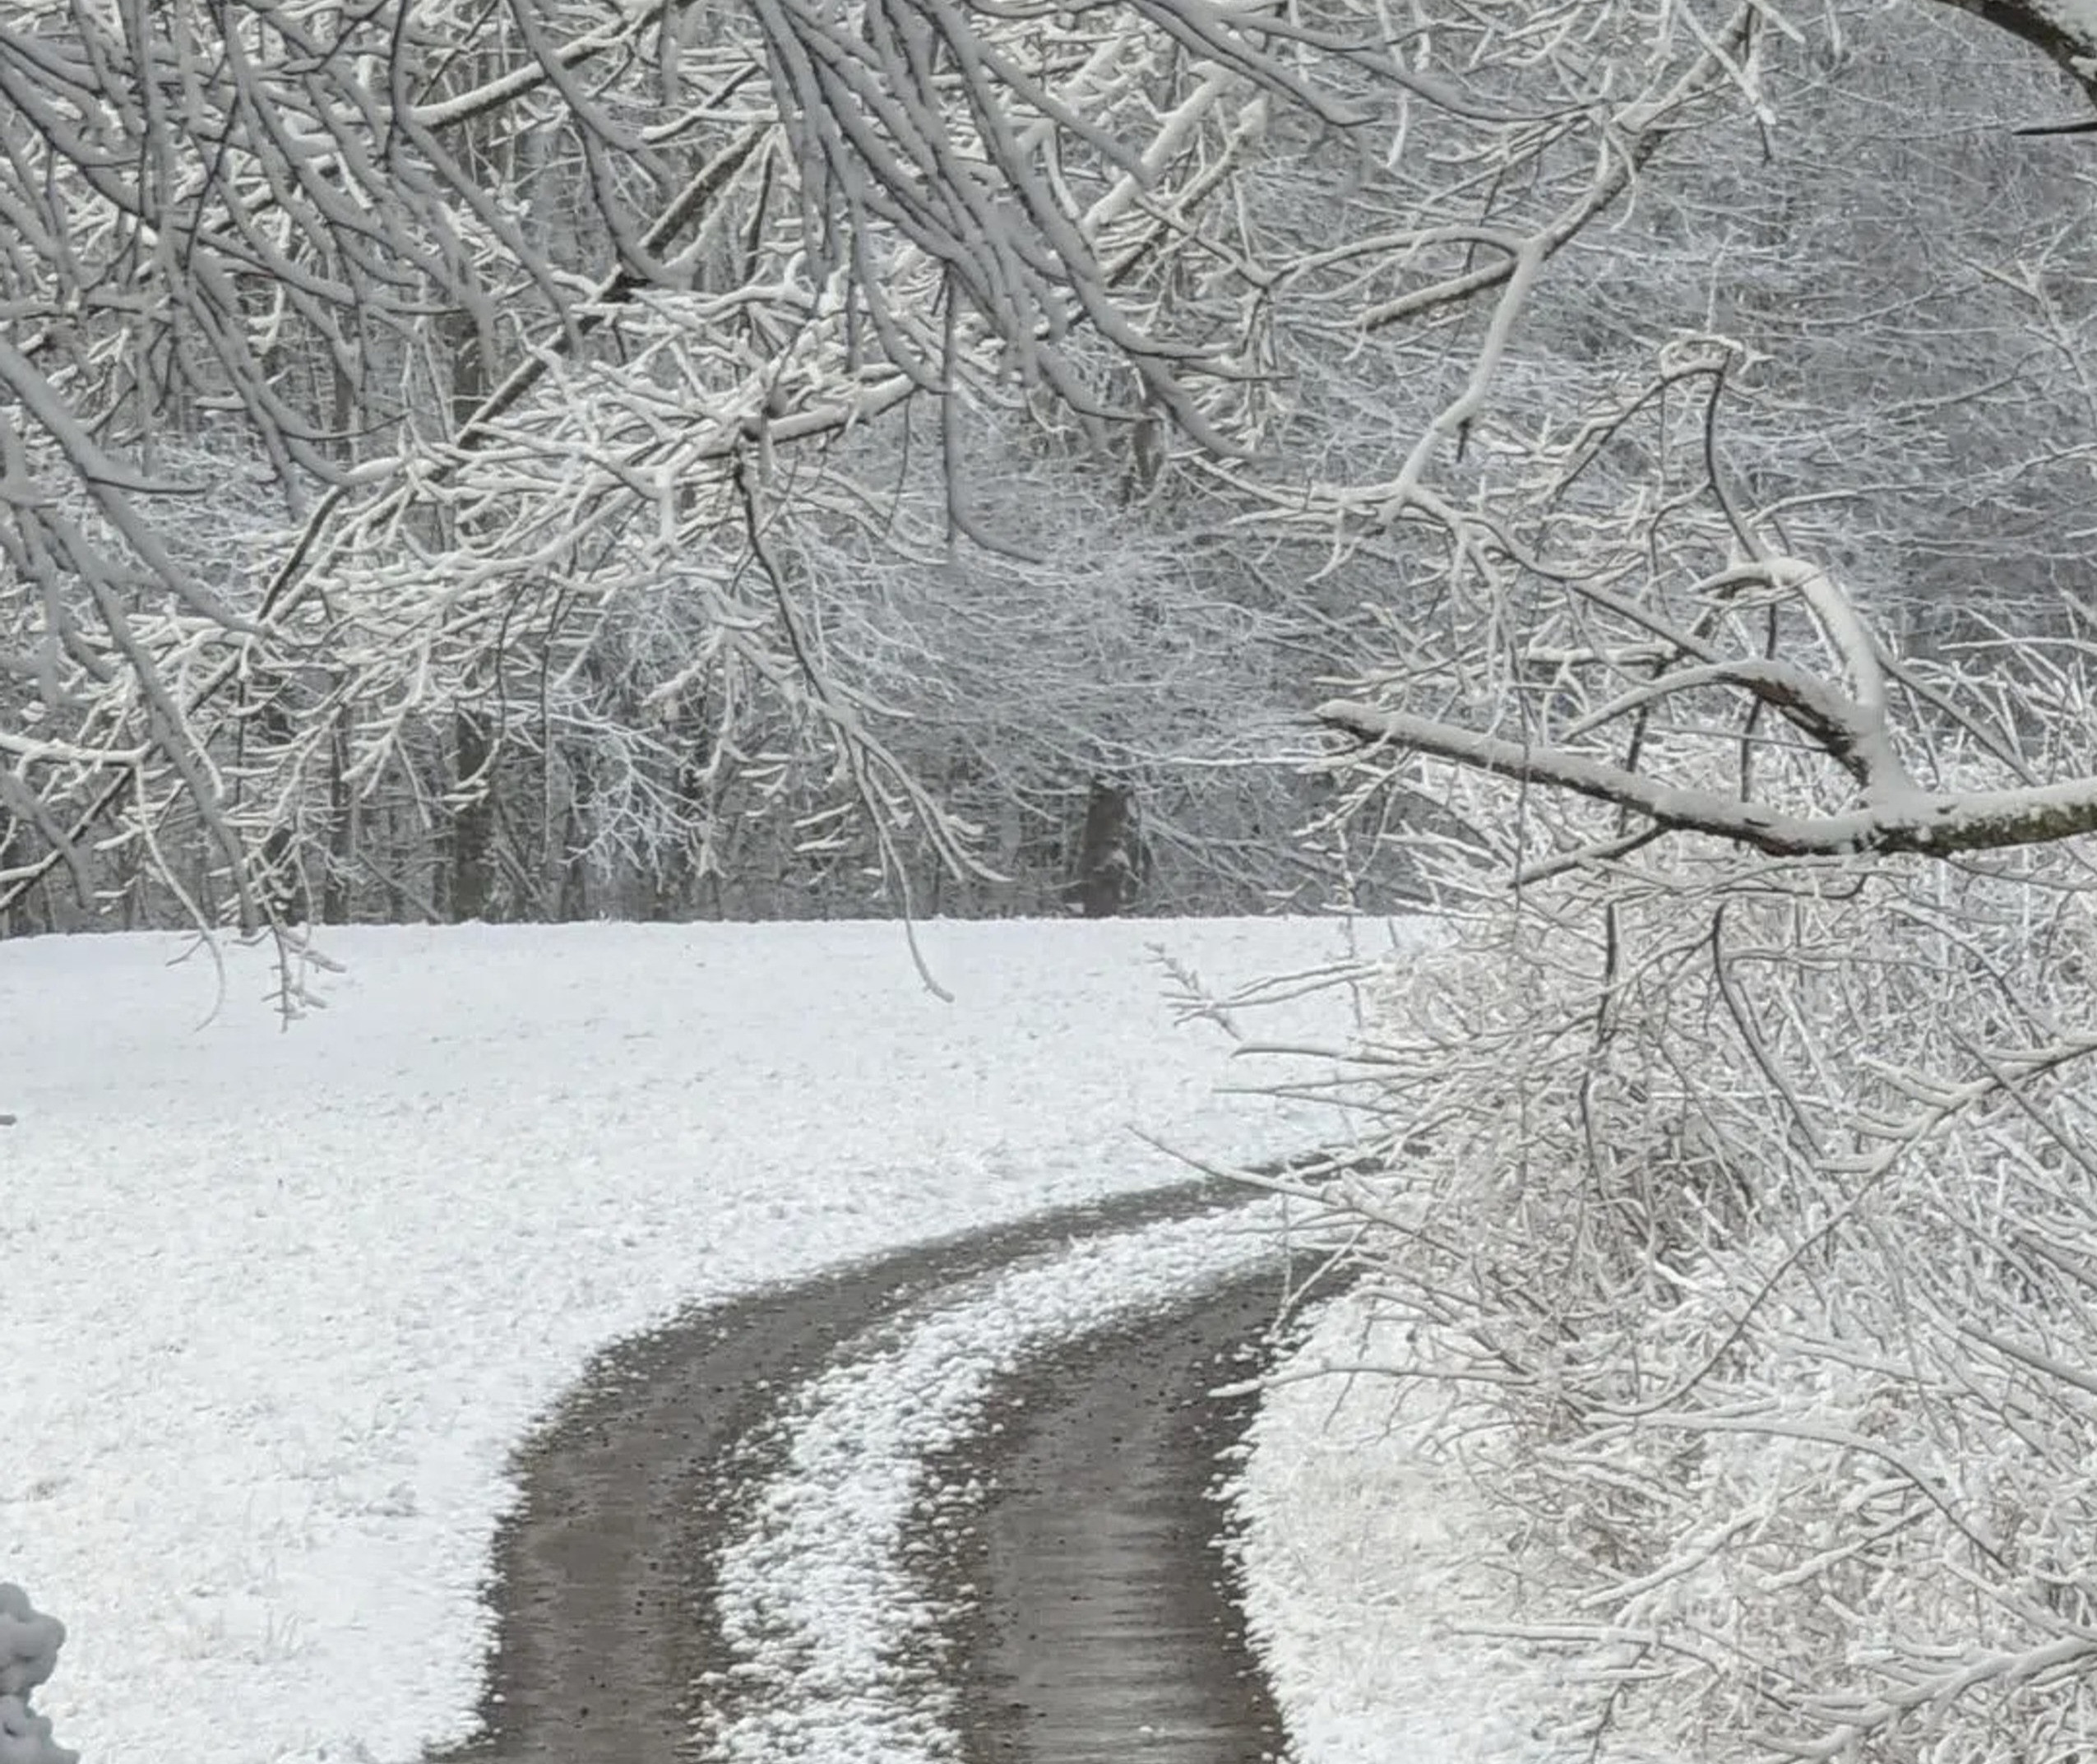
(1935, 824)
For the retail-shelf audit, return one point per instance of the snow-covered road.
(774, 1528)
(280, 1303)
(824, 1615)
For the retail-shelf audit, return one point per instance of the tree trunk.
(473, 822)
(338, 891)
(1109, 851)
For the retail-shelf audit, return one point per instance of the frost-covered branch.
(1933, 823)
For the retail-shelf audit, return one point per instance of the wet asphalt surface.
(1099, 1624)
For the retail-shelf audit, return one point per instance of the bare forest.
(538, 461)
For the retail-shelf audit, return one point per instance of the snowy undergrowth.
(823, 1617)
(1375, 1570)
(1769, 1227)
(281, 1303)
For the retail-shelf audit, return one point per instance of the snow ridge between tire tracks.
(828, 1632)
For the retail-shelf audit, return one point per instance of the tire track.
(605, 1601)
(1105, 1624)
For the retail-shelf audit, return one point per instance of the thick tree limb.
(1927, 822)
(2063, 30)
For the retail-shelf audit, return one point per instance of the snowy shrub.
(1762, 1197)
(29, 1653)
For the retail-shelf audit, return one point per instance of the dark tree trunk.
(473, 822)
(1109, 852)
(338, 893)
(18, 915)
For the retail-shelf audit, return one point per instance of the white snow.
(278, 1304)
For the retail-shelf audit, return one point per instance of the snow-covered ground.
(278, 1303)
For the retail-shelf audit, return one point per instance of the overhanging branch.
(2065, 31)
(1926, 823)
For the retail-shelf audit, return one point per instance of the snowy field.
(279, 1304)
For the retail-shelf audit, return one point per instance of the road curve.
(603, 1587)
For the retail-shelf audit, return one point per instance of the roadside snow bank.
(1366, 1562)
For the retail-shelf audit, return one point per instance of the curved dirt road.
(1101, 1621)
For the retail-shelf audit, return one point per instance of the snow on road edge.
(1364, 1558)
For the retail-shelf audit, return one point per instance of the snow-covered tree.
(1731, 1166)
(523, 322)
(528, 322)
